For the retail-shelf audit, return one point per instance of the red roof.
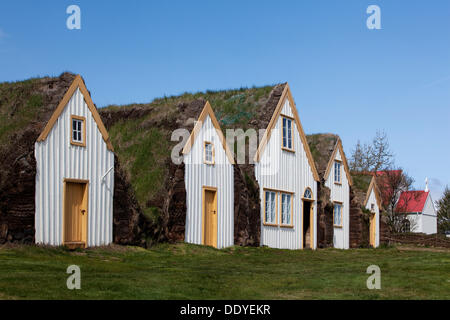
(412, 201)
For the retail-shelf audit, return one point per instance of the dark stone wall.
(324, 217)
(247, 209)
(173, 220)
(17, 191)
(128, 221)
(384, 231)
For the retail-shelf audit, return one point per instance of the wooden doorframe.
(311, 222)
(86, 205)
(213, 189)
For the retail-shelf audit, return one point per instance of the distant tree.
(372, 156)
(443, 214)
(392, 183)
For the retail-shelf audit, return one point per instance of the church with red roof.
(420, 210)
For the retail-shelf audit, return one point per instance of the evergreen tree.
(443, 214)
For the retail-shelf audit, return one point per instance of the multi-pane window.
(338, 214)
(209, 152)
(337, 172)
(270, 212)
(278, 202)
(77, 136)
(287, 133)
(77, 130)
(286, 210)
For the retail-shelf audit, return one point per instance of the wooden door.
(75, 212)
(372, 229)
(210, 218)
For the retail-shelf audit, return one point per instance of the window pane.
(79, 136)
(307, 194)
(336, 214)
(289, 122)
(288, 209)
(208, 152)
(267, 206)
(284, 132)
(272, 211)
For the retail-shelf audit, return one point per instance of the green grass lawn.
(185, 271)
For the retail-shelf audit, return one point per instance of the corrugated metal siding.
(286, 171)
(373, 200)
(57, 159)
(341, 193)
(199, 175)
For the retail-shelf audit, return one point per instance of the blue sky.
(345, 78)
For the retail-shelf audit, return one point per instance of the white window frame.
(286, 209)
(340, 206)
(78, 130)
(287, 133)
(272, 205)
(337, 172)
(205, 152)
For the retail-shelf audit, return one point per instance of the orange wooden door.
(74, 214)
(210, 216)
(372, 229)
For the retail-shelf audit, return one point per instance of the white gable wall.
(373, 200)
(429, 217)
(57, 159)
(340, 193)
(199, 175)
(426, 221)
(285, 171)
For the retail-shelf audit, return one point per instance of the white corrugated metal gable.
(218, 175)
(286, 171)
(57, 159)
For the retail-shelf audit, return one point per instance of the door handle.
(83, 212)
(214, 211)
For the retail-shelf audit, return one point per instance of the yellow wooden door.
(372, 229)
(210, 216)
(74, 215)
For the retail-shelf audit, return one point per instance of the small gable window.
(372, 207)
(338, 215)
(308, 194)
(208, 153)
(287, 134)
(78, 131)
(337, 172)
